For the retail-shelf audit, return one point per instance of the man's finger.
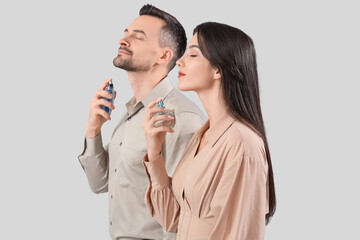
(103, 85)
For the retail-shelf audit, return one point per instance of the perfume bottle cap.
(161, 104)
(109, 86)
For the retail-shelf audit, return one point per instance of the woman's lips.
(181, 74)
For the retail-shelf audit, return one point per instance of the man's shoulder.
(182, 104)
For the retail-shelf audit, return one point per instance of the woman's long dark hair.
(232, 52)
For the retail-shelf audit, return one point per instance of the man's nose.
(124, 43)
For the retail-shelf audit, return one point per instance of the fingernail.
(170, 116)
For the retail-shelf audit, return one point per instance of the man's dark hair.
(172, 33)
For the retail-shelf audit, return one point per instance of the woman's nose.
(180, 62)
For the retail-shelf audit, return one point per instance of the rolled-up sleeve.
(94, 161)
(159, 197)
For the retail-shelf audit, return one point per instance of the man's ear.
(166, 56)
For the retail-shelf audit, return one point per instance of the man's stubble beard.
(128, 65)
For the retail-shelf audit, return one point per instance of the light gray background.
(55, 54)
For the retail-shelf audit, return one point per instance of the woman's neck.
(214, 103)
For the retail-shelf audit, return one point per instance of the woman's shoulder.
(244, 139)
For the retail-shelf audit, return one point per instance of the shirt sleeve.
(159, 197)
(241, 200)
(94, 161)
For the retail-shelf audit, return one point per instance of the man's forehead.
(148, 24)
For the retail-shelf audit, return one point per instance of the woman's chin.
(182, 87)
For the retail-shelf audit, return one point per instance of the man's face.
(140, 49)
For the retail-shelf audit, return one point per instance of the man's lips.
(122, 51)
(181, 74)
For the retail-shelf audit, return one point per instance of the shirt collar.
(218, 128)
(132, 106)
(161, 90)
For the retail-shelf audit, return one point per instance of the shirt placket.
(114, 190)
(187, 215)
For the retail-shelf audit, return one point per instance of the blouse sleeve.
(159, 197)
(241, 201)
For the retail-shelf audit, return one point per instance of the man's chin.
(123, 66)
(128, 65)
(117, 62)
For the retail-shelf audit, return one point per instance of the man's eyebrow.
(194, 46)
(140, 31)
(137, 31)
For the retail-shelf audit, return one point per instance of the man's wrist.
(92, 132)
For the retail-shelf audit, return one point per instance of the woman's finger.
(148, 115)
(161, 129)
(152, 104)
(155, 119)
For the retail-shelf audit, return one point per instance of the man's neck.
(143, 82)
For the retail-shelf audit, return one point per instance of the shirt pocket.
(133, 172)
(134, 146)
(133, 156)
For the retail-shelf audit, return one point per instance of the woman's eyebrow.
(194, 46)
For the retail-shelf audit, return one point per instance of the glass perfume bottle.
(165, 123)
(109, 88)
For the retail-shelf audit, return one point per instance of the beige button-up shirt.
(117, 168)
(219, 194)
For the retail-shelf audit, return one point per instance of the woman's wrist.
(153, 156)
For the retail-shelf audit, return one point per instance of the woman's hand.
(155, 136)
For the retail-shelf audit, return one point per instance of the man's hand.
(97, 115)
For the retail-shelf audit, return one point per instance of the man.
(151, 45)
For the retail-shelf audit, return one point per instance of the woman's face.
(195, 71)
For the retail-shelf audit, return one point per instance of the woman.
(223, 186)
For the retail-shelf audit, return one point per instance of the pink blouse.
(221, 193)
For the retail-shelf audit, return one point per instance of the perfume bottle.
(165, 123)
(109, 88)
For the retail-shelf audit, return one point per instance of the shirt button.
(111, 196)
(115, 169)
(121, 144)
(110, 222)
